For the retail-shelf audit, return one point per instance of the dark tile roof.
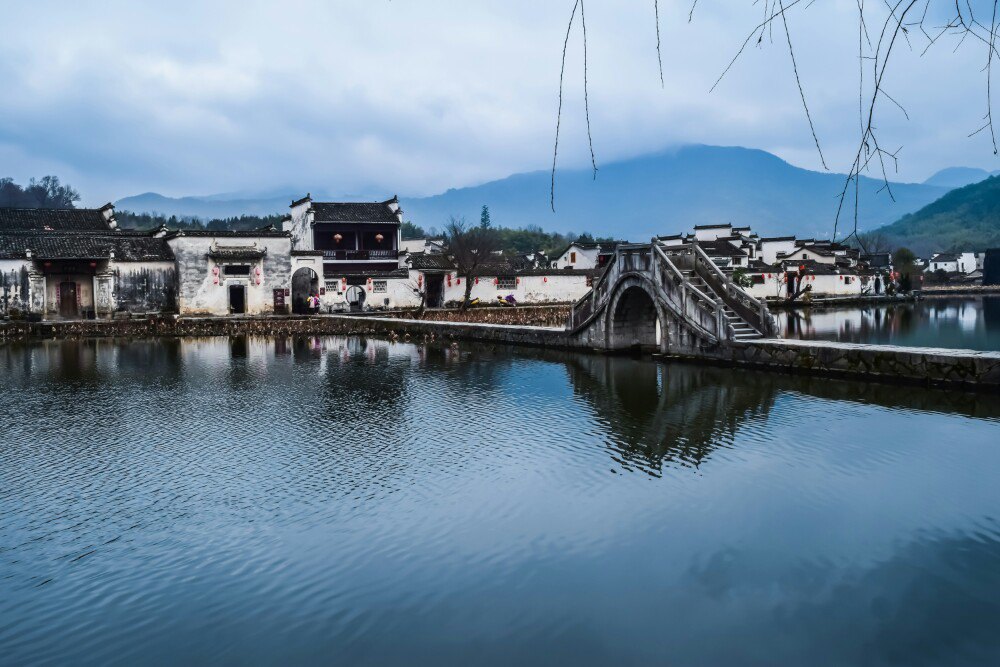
(48, 245)
(945, 257)
(53, 220)
(721, 249)
(236, 252)
(777, 238)
(227, 233)
(713, 226)
(355, 212)
(423, 261)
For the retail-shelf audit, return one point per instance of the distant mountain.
(207, 207)
(959, 177)
(227, 205)
(964, 219)
(671, 191)
(660, 193)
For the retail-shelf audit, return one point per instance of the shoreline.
(968, 369)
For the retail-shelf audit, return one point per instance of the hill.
(964, 219)
(671, 191)
(959, 177)
(659, 193)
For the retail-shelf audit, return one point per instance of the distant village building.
(949, 262)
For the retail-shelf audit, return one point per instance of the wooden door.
(67, 300)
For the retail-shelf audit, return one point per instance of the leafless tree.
(470, 247)
(882, 27)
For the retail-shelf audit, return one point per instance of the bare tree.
(470, 248)
(881, 27)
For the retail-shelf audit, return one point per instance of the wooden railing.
(357, 255)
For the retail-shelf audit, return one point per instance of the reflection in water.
(950, 322)
(326, 499)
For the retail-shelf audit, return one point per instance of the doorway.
(435, 291)
(237, 299)
(67, 300)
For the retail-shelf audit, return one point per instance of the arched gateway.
(305, 283)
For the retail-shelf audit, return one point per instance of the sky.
(413, 97)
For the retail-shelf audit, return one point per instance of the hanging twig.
(562, 74)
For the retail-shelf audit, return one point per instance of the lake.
(959, 322)
(340, 500)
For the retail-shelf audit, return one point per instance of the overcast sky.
(413, 97)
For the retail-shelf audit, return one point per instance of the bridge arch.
(635, 318)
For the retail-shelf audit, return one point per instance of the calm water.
(333, 500)
(971, 323)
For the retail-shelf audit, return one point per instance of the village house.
(347, 254)
(952, 262)
(78, 264)
(578, 256)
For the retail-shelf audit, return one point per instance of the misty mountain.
(958, 177)
(661, 193)
(671, 191)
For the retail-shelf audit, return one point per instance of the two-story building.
(346, 253)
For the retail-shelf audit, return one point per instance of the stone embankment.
(532, 316)
(959, 368)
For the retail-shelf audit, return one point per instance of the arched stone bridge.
(666, 299)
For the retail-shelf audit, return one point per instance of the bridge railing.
(694, 305)
(753, 311)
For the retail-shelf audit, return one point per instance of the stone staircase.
(742, 330)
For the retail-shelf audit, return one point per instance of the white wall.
(586, 258)
(769, 250)
(302, 236)
(13, 284)
(550, 288)
(203, 292)
(822, 285)
(713, 233)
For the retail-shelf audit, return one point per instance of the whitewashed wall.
(586, 258)
(769, 250)
(197, 291)
(822, 285)
(14, 285)
(143, 286)
(557, 288)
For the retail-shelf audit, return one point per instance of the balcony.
(361, 255)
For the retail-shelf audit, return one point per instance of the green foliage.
(411, 231)
(966, 219)
(741, 278)
(130, 220)
(484, 218)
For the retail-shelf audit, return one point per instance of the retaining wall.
(975, 370)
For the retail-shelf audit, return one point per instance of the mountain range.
(659, 193)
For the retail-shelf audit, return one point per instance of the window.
(236, 269)
(572, 257)
(757, 279)
(805, 255)
(847, 280)
(379, 286)
(506, 282)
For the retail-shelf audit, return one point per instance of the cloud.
(408, 97)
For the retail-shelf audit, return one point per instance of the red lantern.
(256, 270)
(458, 281)
(215, 270)
(517, 281)
(477, 280)
(343, 284)
(420, 280)
(337, 238)
(545, 279)
(378, 238)
(496, 281)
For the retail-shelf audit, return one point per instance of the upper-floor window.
(572, 257)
